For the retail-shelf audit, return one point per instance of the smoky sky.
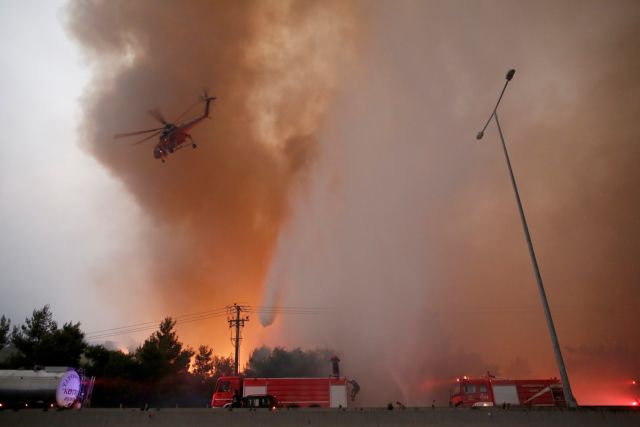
(212, 214)
(410, 225)
(340, 170)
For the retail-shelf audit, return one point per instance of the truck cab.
(224, 391)
(471, 392)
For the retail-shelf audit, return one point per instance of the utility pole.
(235, 322)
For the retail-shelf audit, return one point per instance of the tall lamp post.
(571, 401)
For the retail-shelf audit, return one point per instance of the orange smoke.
(214, 213)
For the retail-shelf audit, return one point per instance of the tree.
(65, 346)
(203, 363)
(118, 374)
(223, 366)
(156, 374)
(41, 343)
(5, 324)
(162, 354)
(33, 338)
(105, 363)
(164, 365)
(212, 367)
(279, 362)
(206, 370)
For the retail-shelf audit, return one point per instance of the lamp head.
(479, 135)
(510, 74)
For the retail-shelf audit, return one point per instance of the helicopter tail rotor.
(205, 95)
(207, 100)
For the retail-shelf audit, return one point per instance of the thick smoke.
(363, 189)
(408, 226)
(214, 213)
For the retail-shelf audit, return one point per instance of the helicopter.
(171, 136)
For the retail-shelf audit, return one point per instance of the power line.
(139, 327)
(203, 315)
(290, 310)
(155, 322)
(147, 328)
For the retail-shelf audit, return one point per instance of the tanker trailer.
(49, 387)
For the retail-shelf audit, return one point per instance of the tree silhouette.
(203, 362)
(31, 336)
(265, 362)
(41, 343)
(162, 354)
(118, 376)
(205, 373)
(164, 365)
(65, 346)
(223, 366)
(5, 324)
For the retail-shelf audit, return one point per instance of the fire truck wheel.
(194, 145)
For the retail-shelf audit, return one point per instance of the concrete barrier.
(445, 417)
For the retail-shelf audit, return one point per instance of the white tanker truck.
(49, 387)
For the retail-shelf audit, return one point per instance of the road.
(445, 417)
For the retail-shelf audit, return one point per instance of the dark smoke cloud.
(409, 226)
(213, 213)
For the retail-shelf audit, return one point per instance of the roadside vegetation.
(161, 372)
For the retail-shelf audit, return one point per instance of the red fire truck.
(491, 391)
(329, 392)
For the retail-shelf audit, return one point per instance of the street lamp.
(571, 401)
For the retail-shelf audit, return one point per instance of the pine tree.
(41, 343)
(203, 362)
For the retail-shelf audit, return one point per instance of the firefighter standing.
(355, 388)
(236, 402)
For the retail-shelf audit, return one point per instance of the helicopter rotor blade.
(123, 135)
(156, 114)
(184, 113)
(146, 139)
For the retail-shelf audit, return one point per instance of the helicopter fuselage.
(169, 142)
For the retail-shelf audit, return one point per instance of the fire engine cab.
(492, 391)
